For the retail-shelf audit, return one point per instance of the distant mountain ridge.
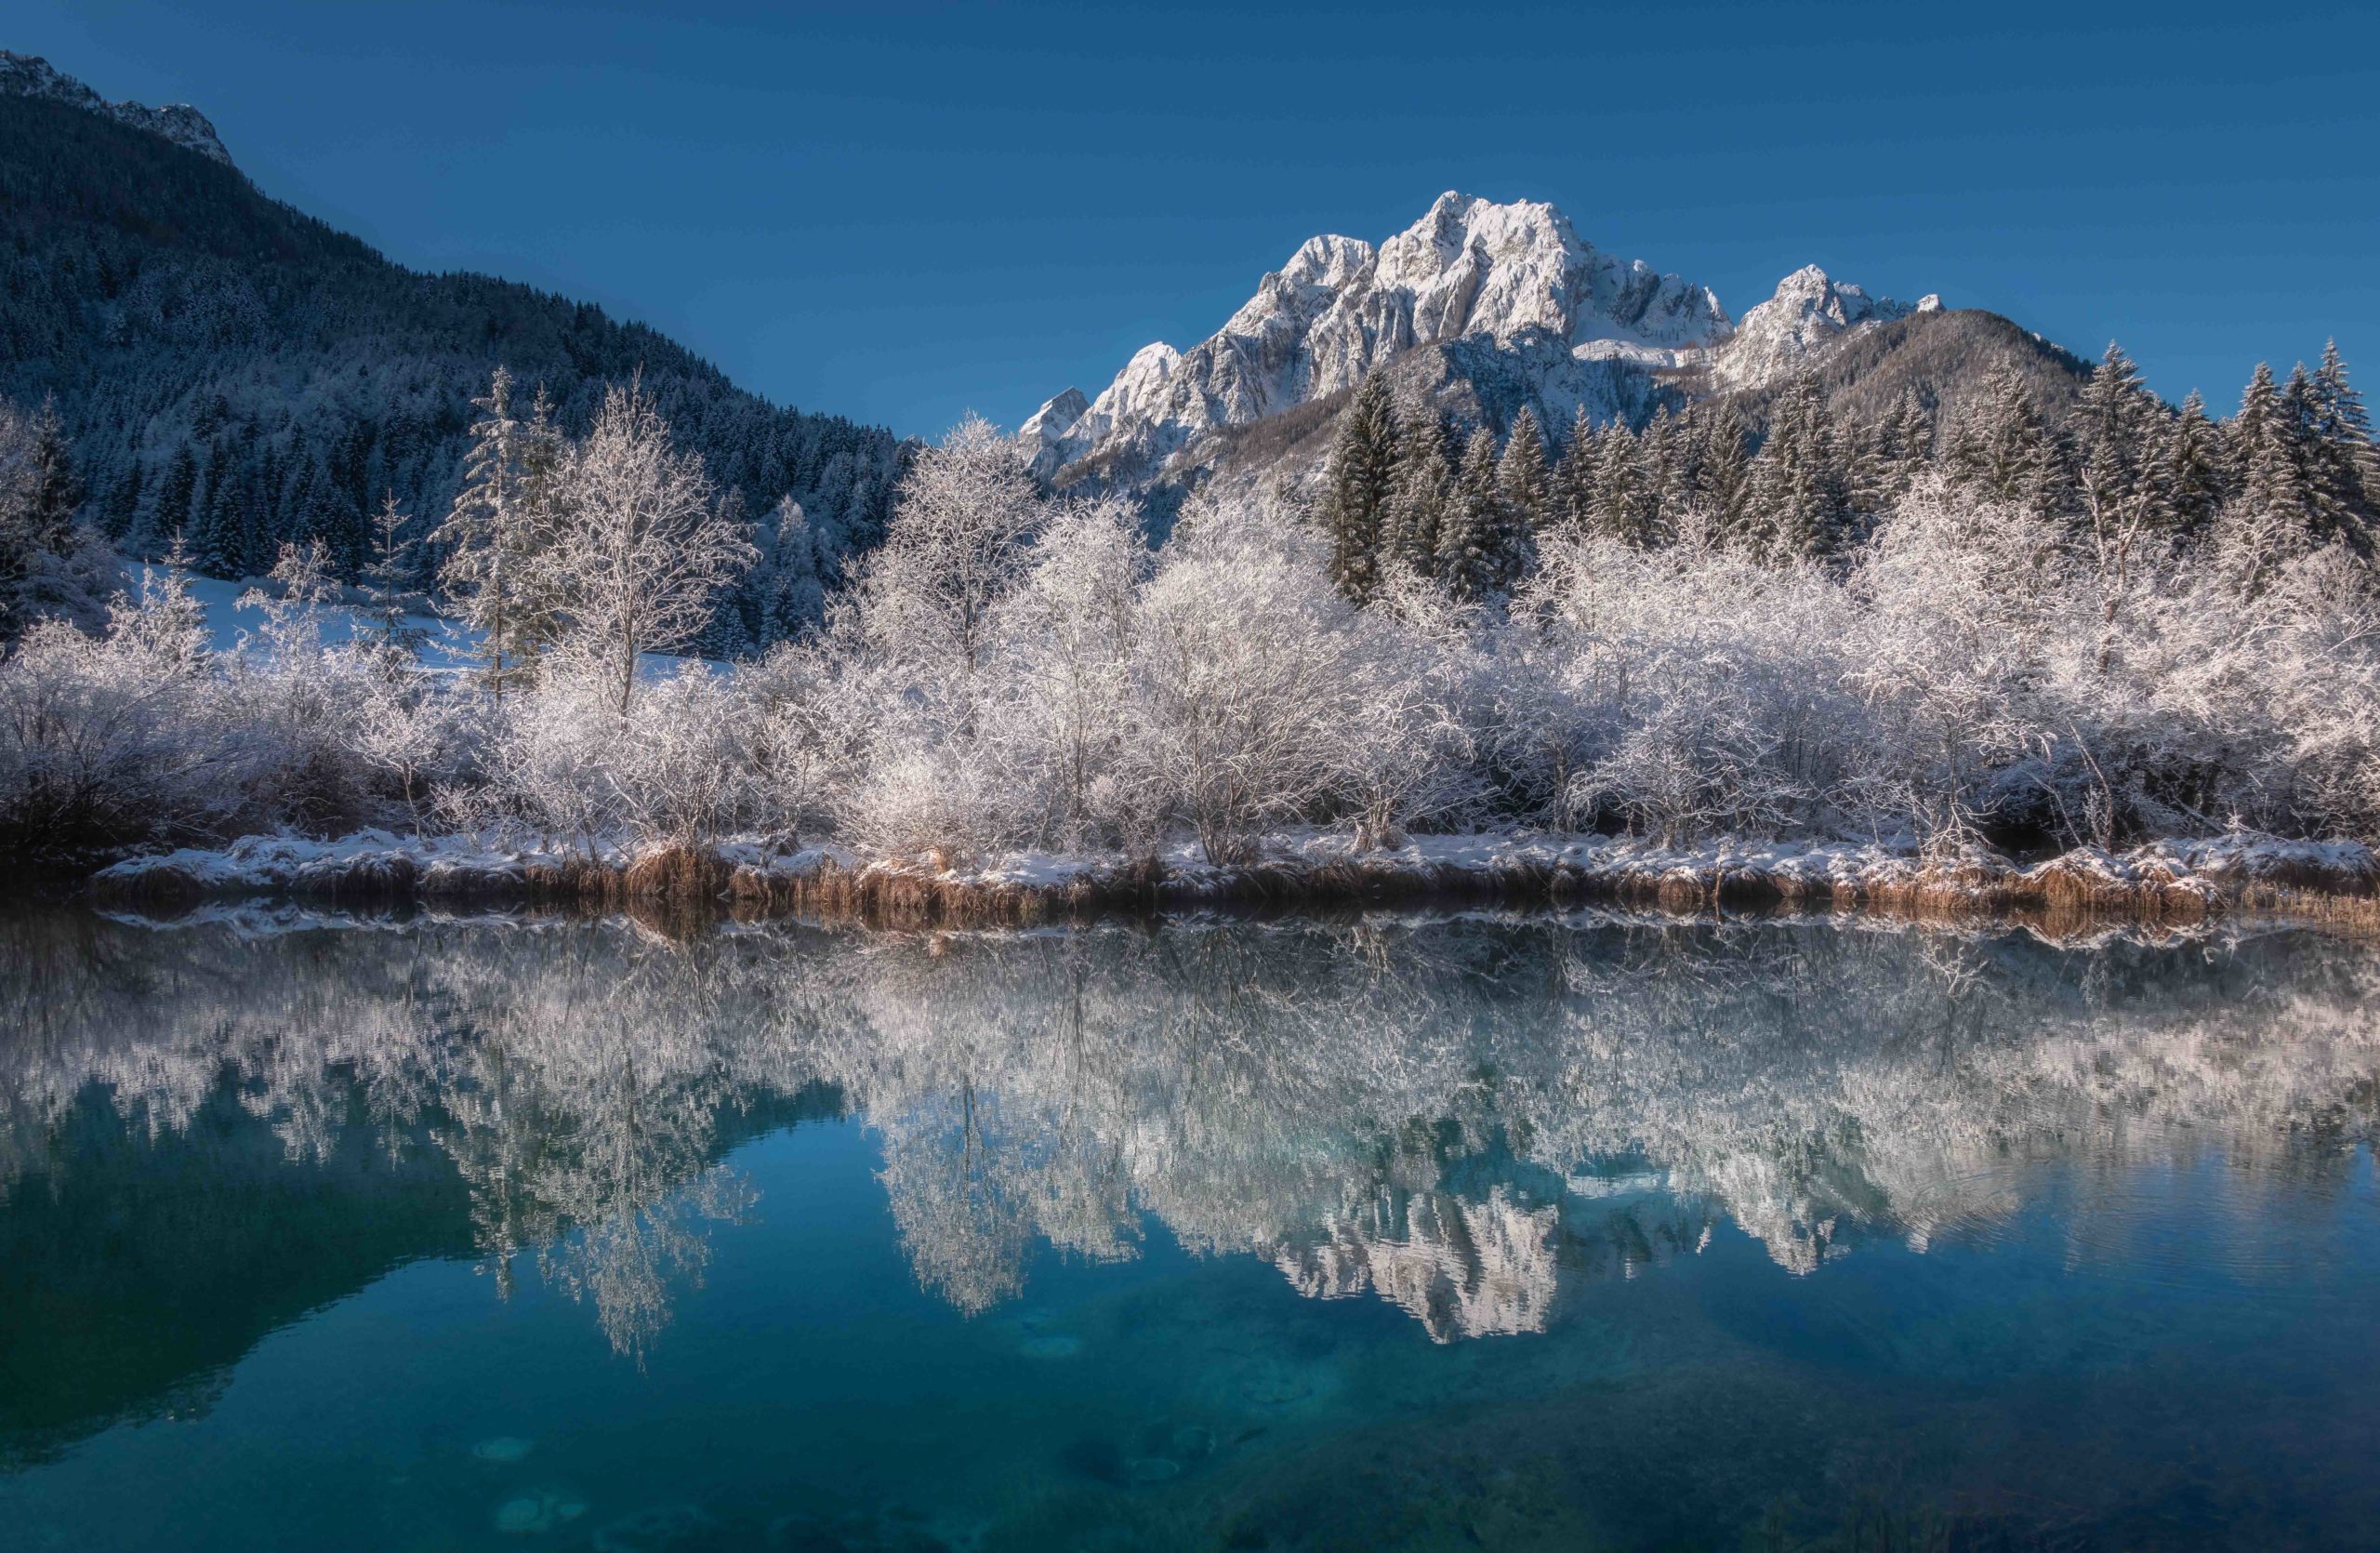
(1477, 308)
(30, 75)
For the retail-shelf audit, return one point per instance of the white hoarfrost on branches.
(642, 543)
(1016, 674)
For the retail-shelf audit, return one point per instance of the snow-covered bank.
(2181, 880)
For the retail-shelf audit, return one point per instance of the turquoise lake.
(1472, 1231)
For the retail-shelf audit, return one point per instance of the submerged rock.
(503, 1448)
(542, 1512)
(1145, 1470)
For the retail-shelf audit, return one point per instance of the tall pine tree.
(488, 541)
(1521, 474)
(2345, 470)
(1417, 510)
(1472, 562)
(1361, 479)
(2189, 468)
(1572, 494)
(1799, 498)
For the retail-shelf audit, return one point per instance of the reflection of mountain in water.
(1463, 1118)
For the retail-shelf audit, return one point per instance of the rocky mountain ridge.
(30, 75)
(1509, 301)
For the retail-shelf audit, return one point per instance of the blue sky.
(903, 211)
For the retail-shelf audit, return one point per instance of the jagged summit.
(28, 75)
(1481, 308)
(1514, 277)
(1808, 310)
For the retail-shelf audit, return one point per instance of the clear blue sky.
(901, 211)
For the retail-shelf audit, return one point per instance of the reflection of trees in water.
(1458, 1116)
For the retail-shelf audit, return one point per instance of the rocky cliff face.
(1481, 306)
(25, 75)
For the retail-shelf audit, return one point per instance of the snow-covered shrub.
(1055, 716)
(1964, 606)
(1683, 692)
(120, 739)
(1242, 684)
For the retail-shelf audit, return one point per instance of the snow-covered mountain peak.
(1330, 261)
(1808, 310)
(28, 75)
(1511, 277)
(1049, 424)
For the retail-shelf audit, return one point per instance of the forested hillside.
(232, 370)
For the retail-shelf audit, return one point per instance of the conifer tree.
(488, 542)
(2270, 519)
(1666, 455)
(2267, 452)
(1362, 476)
(1799, 498)
(1907, 444)
(1723, 479)
(1624, 508)
(392, 643)
(56, 494)
(2123, 497)
(2189, 468)
(2346, 471)
(1469, 541)
(1417, 510)
(1521, 475)
(2006, 450)
(214, 540)
(169, 523)
(122, 509)
(1572, 494)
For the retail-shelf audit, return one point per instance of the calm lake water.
(1513, 1233)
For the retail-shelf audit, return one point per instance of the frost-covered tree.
(1800, 499)
(2126, 505)
(1571, 497)
(2005, 448)
(51, 563)
(1722, 475)
(2270, 519)
(1625, 506)
(1067, 634)
(1417, 507)
(961, 528)
(1239, 683)
(2190, 468)
(384, 631)
(491, 545)
(2344, 467)
(648, 546)
(1480, 537)
(1521, 475)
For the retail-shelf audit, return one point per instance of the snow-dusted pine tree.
(1361, 479)
(1521, 477)
(1416, 508)
(490, 545)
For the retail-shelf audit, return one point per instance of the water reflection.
(1466, 1117)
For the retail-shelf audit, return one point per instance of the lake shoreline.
(2178, 882)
